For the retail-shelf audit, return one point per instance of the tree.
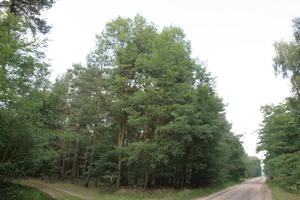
(23, 84)
(164, 104)
(279, 135)
(30, 12)
(253, 167)
(286, 61)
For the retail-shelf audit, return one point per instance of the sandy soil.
(52, 189)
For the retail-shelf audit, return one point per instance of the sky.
(234, 38)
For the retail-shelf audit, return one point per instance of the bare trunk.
(74, 167)
(146, 133)
(120, 144)
(147, 177)
(86, 159)
(122, 133)
(12, 154)
(12, 8)
(87, 180)
(3, 158)
(62, 170)
(91, 161)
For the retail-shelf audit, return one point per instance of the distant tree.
(253, 167)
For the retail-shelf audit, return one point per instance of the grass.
(191, 194)
(163, 194)
(124, 193)
(278, 193)
(20, 192)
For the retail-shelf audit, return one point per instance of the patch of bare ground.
(53, 189)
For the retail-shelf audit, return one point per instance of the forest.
(141, 112)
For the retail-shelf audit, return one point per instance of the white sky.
(234, 37)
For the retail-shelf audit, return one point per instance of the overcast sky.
(233, 37)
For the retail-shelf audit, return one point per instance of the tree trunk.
(12, 8)
(91, 161)
(75, 158)
(122, 133)
(12, 154)
(87, 180)
(146, 134)
(120, 144)
(6, 150)
(146, 178)
(63, 158)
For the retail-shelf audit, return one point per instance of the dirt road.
(253, 189)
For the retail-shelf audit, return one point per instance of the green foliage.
(157, 104)
(280, 138)
(253, 167)
(280, 134)
(286, 61)
(22, 66)
(30, 12)
(23, 83)
(142, 112)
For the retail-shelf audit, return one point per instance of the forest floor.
(66, 191)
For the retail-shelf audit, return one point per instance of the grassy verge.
(195, 193)
(62, 190)
(163, 194)
(278, 193)
(19, 192)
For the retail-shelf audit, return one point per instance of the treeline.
(140, 112)
(280, 132)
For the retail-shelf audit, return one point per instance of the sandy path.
(53, 190)
(73, 193)
(253, 189)
(42, 188)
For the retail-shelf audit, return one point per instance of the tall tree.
(280, 135)
(23, 86)
(163, 103)
(141, 112)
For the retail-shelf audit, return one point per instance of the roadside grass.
(11, 191)
(162, 194)
(279, 193)
(124, 193)
(65, 196)
(201, 192)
